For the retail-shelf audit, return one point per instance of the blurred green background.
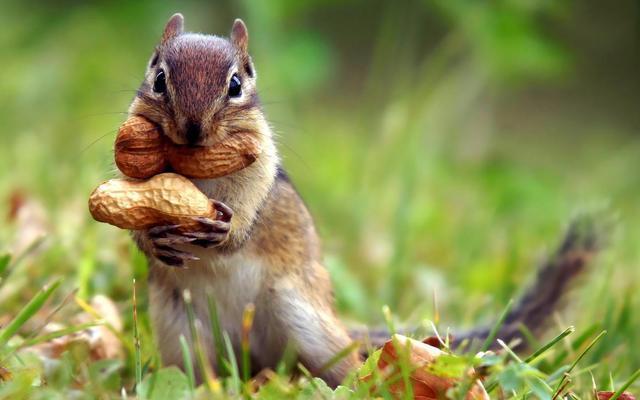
(441, 145)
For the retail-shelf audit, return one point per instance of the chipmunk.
(200, 89)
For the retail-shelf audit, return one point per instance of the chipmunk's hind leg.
(317, 335)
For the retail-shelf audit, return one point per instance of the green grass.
(429, 176)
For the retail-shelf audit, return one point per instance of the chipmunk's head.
(200, 88)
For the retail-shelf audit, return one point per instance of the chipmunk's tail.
(584, 238)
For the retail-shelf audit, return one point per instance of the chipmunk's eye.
(160, 84)
(235, 86)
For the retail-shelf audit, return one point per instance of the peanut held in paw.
(165, 199)
(142, 151)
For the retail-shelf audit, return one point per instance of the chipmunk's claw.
(173, 257)
(213, 232)
(162, 230)
(225, 213)
(208, 233)
(172, 240)
(164, 239)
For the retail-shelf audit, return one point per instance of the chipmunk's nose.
(193, 132)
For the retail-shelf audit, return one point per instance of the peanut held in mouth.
(165, 199)
(142, 151)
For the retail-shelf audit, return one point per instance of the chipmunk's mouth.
(191, 134)
(196, 134)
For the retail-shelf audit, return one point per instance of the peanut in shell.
(165, 199)
(142, 151)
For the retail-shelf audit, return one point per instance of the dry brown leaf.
(425, 384)
(261, 378)
(605, 395)
(5, 374)
(104, 343)
(30, 220)
(101, 341)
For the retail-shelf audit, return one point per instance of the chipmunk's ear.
(240, 35)
(173, 28)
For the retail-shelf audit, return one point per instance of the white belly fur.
(233, 282)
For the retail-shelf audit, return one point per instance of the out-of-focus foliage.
(440, 144)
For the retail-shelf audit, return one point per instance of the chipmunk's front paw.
(212, 232)
(164, 239)
(208, 233)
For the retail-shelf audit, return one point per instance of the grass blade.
(354, 346)
(247, 323)
(56, 334)
(86, 270)
(496, 328)
(388, 319)
(288, 360)
(13, 262)
(34, 305)
(218, 339)
(188, 363)
(208, 375)
(403, 363)
(5, 259)
(624, 387)
(509, 351)
(136, 338)
(575, 362)
(576, 344)
(550, 344)
(528, 336)
(586, 350)
(233, 367)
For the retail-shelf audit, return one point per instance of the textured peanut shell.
(233, 154)
(165, 199)
(142, 151)
(424, 382)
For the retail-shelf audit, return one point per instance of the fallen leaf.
(5, 374)
(436, 342)
(30, 220)
(261, 378)
(605, 395)
(102, 342)
(424, 383)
